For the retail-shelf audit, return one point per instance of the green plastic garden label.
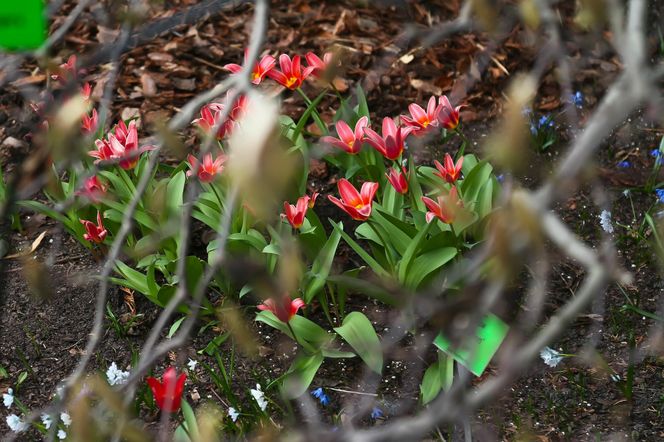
(476, 351)
(22, 24)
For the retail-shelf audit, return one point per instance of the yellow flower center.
(291, 81)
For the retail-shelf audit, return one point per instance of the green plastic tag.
(22, 24)
(476, 351)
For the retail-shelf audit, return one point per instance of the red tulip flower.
(422, 121)
(448, 116)
(348, 140)
(89, 123)
(295, 213)
(210, 116)
(391, 144)
(284, 309)
(261, 69)
(398, 179)
(168, 392)
(93, 189)
(449, 172)
(86, 91)
(354, 203)
(209, 169)
(123, 145)
(320, 66)
(95, 233)
(291, 74)
(312, 200)
(67, 71)
(444, 208)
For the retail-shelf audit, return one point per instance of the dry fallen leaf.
(32, 249)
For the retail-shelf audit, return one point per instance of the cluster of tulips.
(120, 146)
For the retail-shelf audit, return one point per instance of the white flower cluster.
(116, 376)
(16, 424)
(259, 396)
(8, 398)
(550, 357)
(233, 414)
(605, 221)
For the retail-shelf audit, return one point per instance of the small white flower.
(550, 356)
(116, 376)
(259, 397)
(16, 424)
(626, 193)
(46, 420)
(8, 398)
(192, 364)
(66, 419)
(62, 434)
(233, 414)
(605, 221)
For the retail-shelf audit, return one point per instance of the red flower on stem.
(168, 392)
(295, 213)
(261, 68)
(421, 121)
(444, 208)
(391, 144)
(210, 116)
(86, 91)
(209, 169)
(284, 309)
(354, 203)
(95, 232)
(348, 140)
(89, 123)
(320, 66)
(93, 189)
(67, 71)
(291, 74)
(449, 172)
(123, 145)
(398, 179)
(448, 116)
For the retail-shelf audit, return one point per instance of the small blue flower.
(660, 195)
(321, 396)
(501, 177)
(533, 129)
(376, 413)
(624, 164)
(658, 155)
(545, 121)
(577, 99)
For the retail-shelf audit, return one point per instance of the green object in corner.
(22, 24)
(475, 352)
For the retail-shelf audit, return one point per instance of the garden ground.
(45, 335)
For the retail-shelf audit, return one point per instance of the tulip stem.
(388, 252)
(462, 150)
(290, 327)
(221, 204)
(314, 111)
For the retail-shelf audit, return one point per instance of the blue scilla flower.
(577, 99)
(376, 413)
(658, 155)
(501, 178)
(321, 396)
(660, 195)
(624, 164)
(545, 121)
